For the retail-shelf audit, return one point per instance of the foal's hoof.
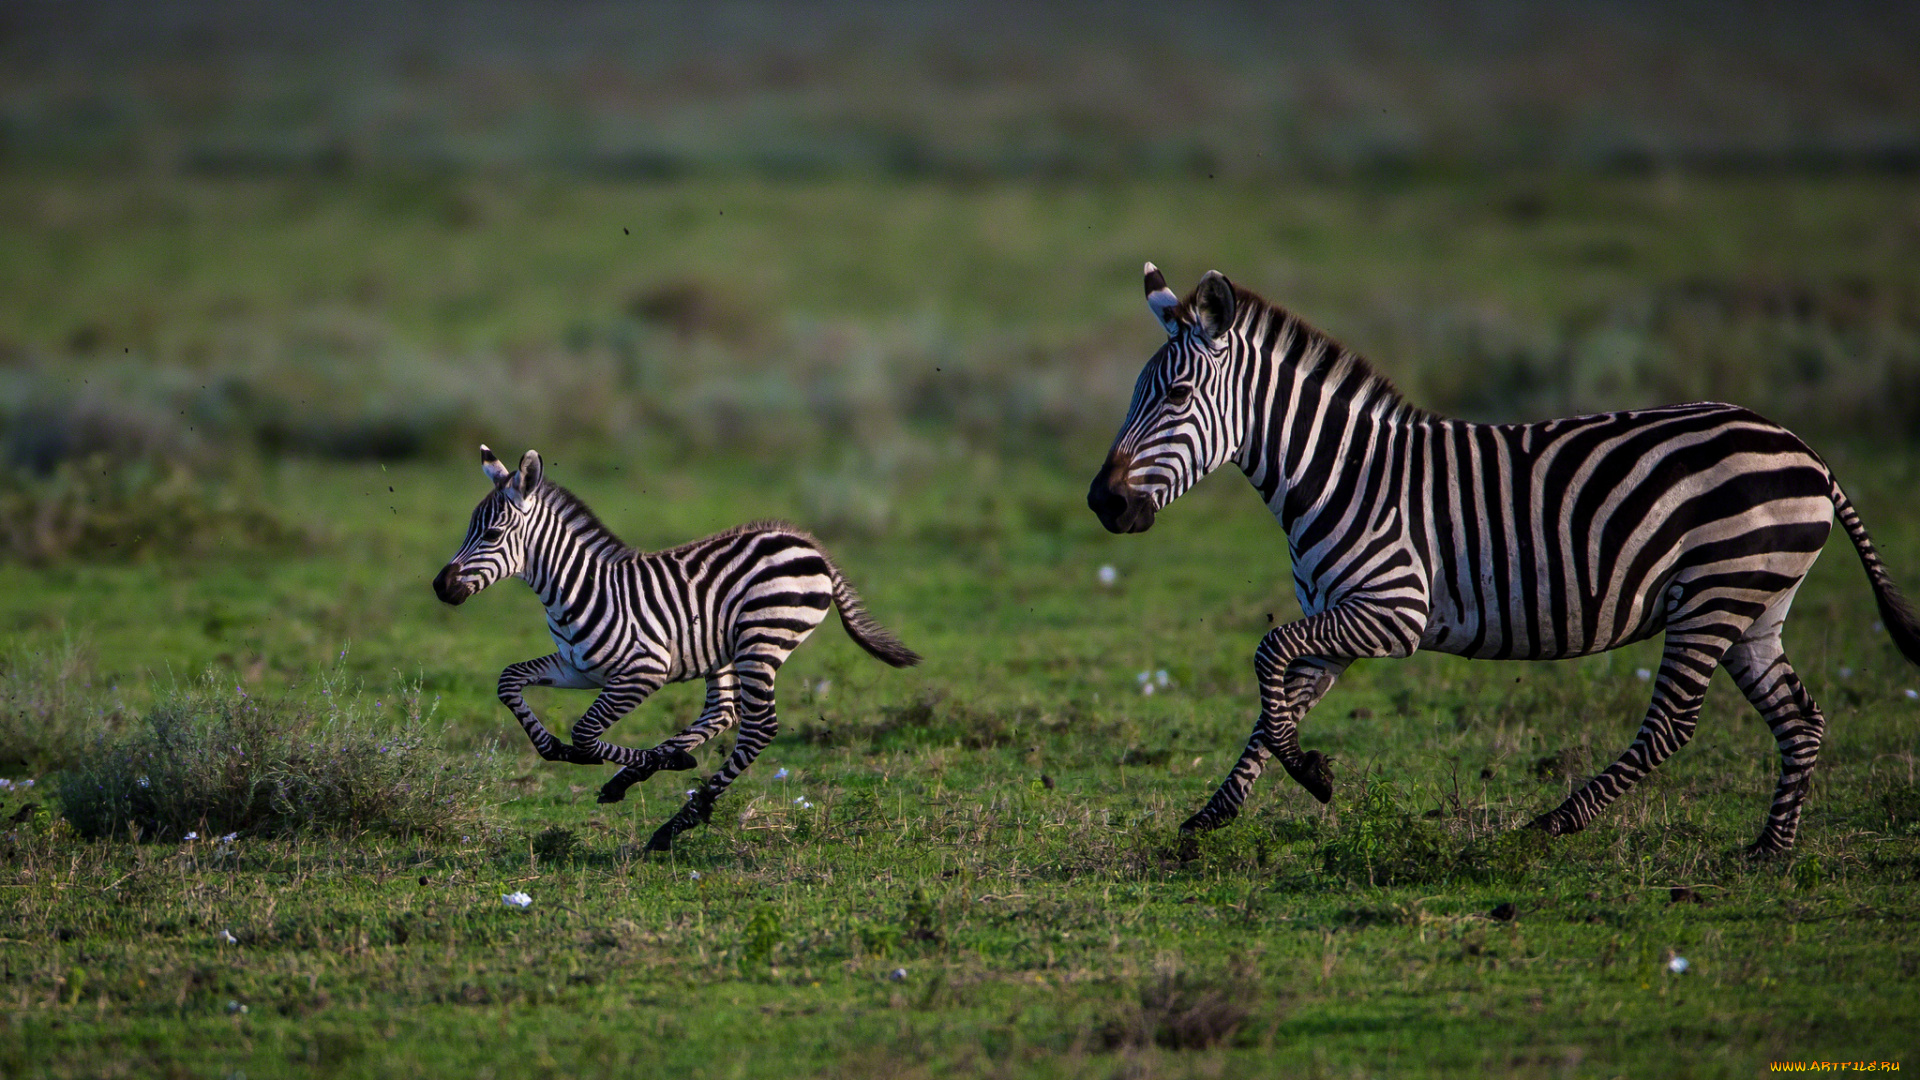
(677, 760)
(1315, 773)
(616, 789)
(572, 755)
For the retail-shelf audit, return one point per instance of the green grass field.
(986, 880)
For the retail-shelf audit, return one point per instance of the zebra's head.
(496, 542)
(1177, 429)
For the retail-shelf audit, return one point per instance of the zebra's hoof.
(677, 760)
(571, 755)
(1554, 824)
(615, 789)
(1767, 848)
(662, 839)
(1315, 773)
(1187, 848)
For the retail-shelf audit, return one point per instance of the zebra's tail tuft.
(1896, 614)
(865, 630)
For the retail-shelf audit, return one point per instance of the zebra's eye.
(1178, 393)
(493, 534)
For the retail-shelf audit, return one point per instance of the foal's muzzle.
(448, 586)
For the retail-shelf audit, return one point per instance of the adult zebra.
(729, 609)
(1511, 541)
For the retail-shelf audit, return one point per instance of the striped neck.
(1309, 404)
(564, 542)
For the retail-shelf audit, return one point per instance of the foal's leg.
(755, 672)
(546, 671)
(674, 755)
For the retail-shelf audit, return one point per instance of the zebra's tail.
(1896, 614)
(865, 631)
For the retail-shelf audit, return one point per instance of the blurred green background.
(379, 231)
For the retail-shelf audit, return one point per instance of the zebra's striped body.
(728, 609)
(1510, 541)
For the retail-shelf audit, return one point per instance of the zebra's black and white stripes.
(729, 609)
(1532, 541)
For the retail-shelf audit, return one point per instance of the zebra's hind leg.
(1760, 667)
(1678, 690)
(758, 726)
(674, 755)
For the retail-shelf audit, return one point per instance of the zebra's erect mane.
(1331, 362)
(584, 521)
(575, 511)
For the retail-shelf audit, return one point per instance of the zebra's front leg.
(1296, 664)
(758, 725)
(1283, 701)
(616, 700)
(546, 671)
(675, 754)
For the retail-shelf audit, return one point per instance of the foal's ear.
(1161, 301)
(490, 465)
(530, 472)
(1213, 304)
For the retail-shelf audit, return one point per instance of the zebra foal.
(728, 609)
(1538, 541)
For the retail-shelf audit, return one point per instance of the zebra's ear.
(1161, 301)
(490, 465)
(1213, 304)
(530, 472)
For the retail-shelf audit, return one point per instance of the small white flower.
(236, 1008)
(691, 792)
(1160, 677)
(517, 900)
(693, 875)
(1642, 674)
(1147, 689)
(1677, 965)
(1913, 695)
(781, 775)
(142, 781)
(800, 800)
(193, 836)
(1108, 575)
(1846, 673)
(1143, 677)
(227, 937)
(897, 975)
(820, 688)
(230, 838)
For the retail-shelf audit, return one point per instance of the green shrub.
(211, 759)
(49, 709)
(98, 508)
(1380, 843)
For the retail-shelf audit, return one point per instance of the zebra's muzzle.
(448, 586)
(1120, 511)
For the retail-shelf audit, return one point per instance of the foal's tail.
(865, 631)
(1895, 612)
